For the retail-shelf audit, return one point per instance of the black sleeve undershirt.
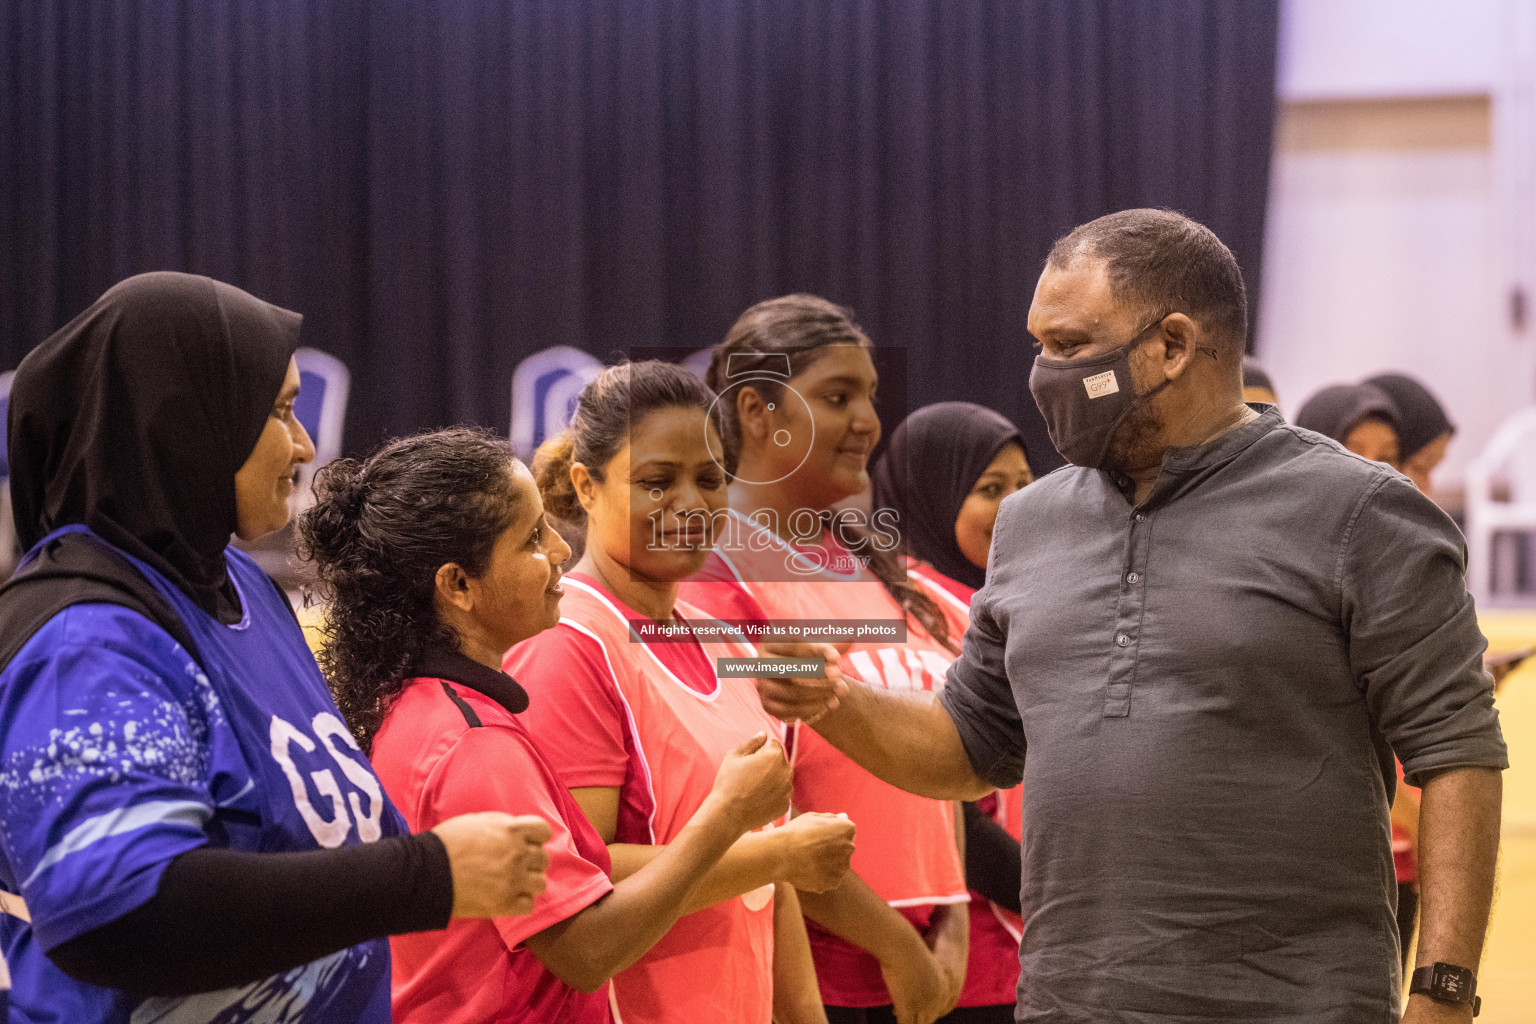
(992, 859)
(222, 918)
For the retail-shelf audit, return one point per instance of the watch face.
(1452, 983)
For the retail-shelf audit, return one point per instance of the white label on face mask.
(1101, 384)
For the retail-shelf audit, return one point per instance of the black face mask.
(1083, 401)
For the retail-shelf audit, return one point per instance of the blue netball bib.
(118, 752)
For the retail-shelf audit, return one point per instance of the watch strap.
(1447, 983)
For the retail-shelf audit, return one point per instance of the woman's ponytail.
(330, 527)
(552, 472)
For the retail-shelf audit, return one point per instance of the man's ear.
(451, 587)
(1180, 335)
(584, 485)
(752, 413)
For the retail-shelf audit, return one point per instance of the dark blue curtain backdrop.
(443, 188)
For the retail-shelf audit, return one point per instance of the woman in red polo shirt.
(636, 723)
(944, 474)
(797, 385)
(436, 557)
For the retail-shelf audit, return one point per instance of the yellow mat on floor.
(1507, 981)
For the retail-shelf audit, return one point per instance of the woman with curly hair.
(436, 557)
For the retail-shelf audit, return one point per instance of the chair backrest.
(1508, 455)
(324, 383)
(545, 387)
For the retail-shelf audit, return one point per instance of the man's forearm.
(1458, 847)
(907, 740)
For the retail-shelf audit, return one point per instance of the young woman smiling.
(636, 725)
(797, 387)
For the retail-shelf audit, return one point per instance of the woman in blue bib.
(188, 831)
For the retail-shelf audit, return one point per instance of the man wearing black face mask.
(1199, 648)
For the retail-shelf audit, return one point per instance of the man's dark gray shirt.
(1207, 687)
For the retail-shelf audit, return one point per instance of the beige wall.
(1402, 208)
(1382, 253)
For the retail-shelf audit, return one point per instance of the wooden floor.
(1507, 981)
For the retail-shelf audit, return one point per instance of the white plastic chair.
(1510, 457)
(324, 384)
(545, 387)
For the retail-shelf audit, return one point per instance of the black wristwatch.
(1447, 983)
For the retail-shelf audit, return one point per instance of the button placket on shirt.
(1129, 609)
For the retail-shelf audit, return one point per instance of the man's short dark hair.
(1167, 263)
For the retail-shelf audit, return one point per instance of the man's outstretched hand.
(904, 738)
(792, 699)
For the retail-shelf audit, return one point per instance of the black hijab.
(1420, 418)
(134, 418)
(1255, 376)
(1335, 410)
(931, 464)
